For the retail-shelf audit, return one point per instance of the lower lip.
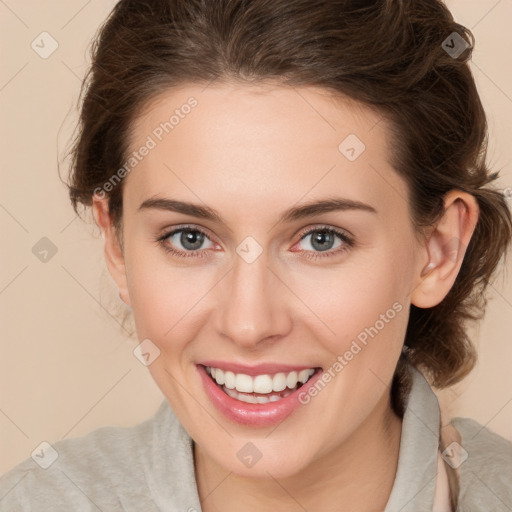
(256, 415)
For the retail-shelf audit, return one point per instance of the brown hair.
(392, 55)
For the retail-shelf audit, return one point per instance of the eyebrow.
(294, 213)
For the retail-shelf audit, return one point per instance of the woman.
(294, 202)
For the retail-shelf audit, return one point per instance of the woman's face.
(261, 287)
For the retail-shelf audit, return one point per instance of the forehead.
(257, 143)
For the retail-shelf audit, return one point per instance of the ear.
(445, 248)
(113, 248)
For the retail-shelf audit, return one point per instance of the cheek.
(363, 301)
(167, 301)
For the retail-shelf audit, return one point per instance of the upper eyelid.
(307, 231)
(166, 233)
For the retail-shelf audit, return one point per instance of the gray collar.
(414, 486)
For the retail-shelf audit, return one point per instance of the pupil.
(322, 237)
(191, 237)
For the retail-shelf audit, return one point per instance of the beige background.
(66, 366)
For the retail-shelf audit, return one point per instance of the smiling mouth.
(260, 389)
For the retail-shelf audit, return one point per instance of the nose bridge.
(252, 310)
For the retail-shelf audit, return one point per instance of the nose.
(253, 310)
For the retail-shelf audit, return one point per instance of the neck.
(359, 474)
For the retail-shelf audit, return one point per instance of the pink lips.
(256, 415)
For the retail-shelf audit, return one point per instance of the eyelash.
(348, 243)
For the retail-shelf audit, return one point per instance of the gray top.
(149, 467)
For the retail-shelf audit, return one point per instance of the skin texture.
(251, 152)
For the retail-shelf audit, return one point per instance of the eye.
(190, 238)
(323, 240)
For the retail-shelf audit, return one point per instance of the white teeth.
(243, 383)
(291, 380)
(279, 382)
(263, 384)
(231, 392)
(304, 375)
(218, 376)
(252, 399)
(229, 379)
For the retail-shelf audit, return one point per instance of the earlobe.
(114, 256)
(445, 249)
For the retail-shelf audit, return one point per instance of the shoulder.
(99, 470)
(485, 466)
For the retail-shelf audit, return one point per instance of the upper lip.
(258, 369)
